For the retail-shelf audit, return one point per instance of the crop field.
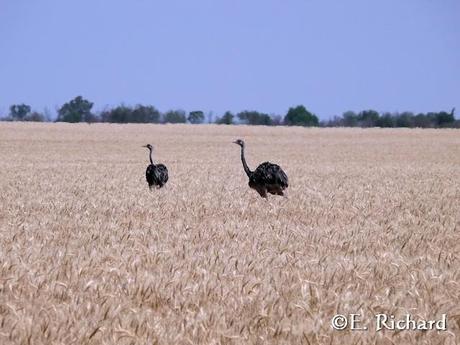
(88, 255)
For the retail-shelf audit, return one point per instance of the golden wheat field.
(88, 255)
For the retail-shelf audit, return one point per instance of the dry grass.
(90, 256)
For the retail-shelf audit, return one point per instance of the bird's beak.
(144, 145)
(234, 142)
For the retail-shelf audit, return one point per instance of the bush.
(145, 114)
(196, 117)
(35, 117)
(226, 119)
(77, 110)
(255, 118)
(175, 116)
(299, 116)
(19, 112)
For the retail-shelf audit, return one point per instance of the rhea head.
(150, 147)
(239, 142)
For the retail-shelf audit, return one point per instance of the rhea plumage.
(267, 178)
(156, 174)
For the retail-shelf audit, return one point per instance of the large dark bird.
(268, 177)
(156, 174)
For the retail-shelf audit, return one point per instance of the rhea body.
(267, 178)
(156, 174)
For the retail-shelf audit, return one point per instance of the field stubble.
(90, 256)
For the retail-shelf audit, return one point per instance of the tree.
(226, 119)
(144, 114)
(350, 118)
(385, 121)
(35, 116)
(404, 119)
(77, 110)
(18, 112)
(119, 114)
(255, 118)
(196, 117)
(175, 116)
(444, 119)
(421, 120)
(299, 116)
(368, 118)
(336, 121)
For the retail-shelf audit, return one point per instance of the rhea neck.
(150, 155)
(245, 165)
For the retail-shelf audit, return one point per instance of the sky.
(219, 55)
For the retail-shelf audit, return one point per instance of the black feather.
(156, 174)
(267, 178)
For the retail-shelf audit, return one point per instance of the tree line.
(81, 110)
(371, 118)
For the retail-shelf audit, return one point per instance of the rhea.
(156, 174)
(268, 177)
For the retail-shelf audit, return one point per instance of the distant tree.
(404, 119)
(422, 121)
(35, 116)
(226, 119)
(175, 116)
(77, 110)
(18, 112)
(386, 120)
(255, 118)
(119, 114)
(433, 118)
(368, 118)
(445, 119)
(144, 114)
(350, 119)
(299, 116)
(196, 117)
(336, 121)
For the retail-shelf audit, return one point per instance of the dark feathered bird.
(156, 174)
(268, 177)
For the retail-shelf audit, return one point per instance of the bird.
(156, 174)
(268, 177)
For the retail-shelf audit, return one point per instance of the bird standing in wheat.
(156, 174)
(268, 177)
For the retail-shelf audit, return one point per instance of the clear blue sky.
(217, 55)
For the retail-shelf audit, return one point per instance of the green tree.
(299, 116)
(350, 118)
(175, 116)
(404, 119)
(385, 121)
(368, 118)
(445, 119)
(77, 110)
(196, 117)
(144, 114)
(18, 112)
(255, 118)
(336, 121)
(226, 119)
(421, 120)
(119, 114)
(35, 116)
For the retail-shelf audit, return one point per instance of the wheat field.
(88, 255)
